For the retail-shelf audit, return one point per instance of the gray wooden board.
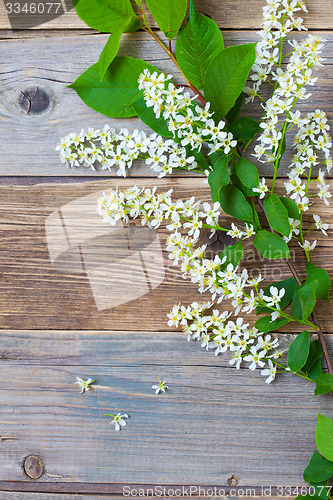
(88, 284)
(50, 63)
(234, 14)
(213, 423)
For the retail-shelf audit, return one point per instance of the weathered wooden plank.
(213, 423)
(236, 14)
(29, 140)
(89, 284)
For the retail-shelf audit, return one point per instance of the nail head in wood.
(34, 101)
(33, 467)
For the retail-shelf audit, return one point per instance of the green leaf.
(147, 115)
(247, 173)
(304, 301)
(291, 207)
(266, 324)
(256, 221)
(234, 254)
(277, 214)
(271, 245)
(321, 490)
(315, 353)
(169, 15)
(318, 470)
(110, 51)
(197, 45)
(324, 436)
(290, 285)
(232, 115)
(234, 203)
(316, 371)
(244, 129)
(324, 384)
(114, 95)
(227, 75)
(106, 15)
(219, 177)
(238, 184)
(321, 276)
(299, 351)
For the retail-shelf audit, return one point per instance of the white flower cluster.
(191, 124)
(118, 150)
(311, 140)
(279, 20)
(216, 331)
(290, 87)
(222, 282)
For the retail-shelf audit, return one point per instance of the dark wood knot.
(233, 480)
(33, 467)
(34, 101)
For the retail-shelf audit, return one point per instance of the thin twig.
(313, 314)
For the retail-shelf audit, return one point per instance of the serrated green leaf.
(110, 51)
(115, 94)
(232, 115)
(308, 497)
(321, 276)
(321, 490)
(266, 324)
(234, 254)
(238, 184)
(318, 470)
(147, 115)
(226, 76)
(247, 173)
(234, 203)
(197, 45)
(271, 245)
(324, 436)
(324, 384)
(315, 353)
(304, 301)
(169, 15)
(244, 129)
(219, 177)
(277, 214)
(299, 351)
(291, 207)
(106, 15)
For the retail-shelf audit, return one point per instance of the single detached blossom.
(118, 420)
(160, 387)
(84, 384)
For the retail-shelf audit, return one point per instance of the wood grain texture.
(90, 285)
(29, 140)
(236, 14)
(169, 439)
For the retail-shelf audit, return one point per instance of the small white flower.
(306, 246)
(320, 224)
(271, 372)
(118, 420)
(160, 387)
(84, 384)
(262, 189)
